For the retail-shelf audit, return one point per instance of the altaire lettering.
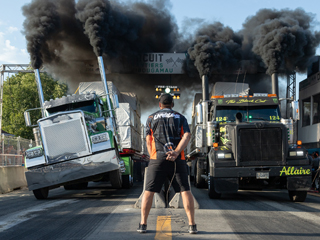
(291, 171)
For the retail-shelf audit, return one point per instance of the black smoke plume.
(126, 30)
(122, 33)
(42, 21)
(272, 40)
(283, 38)
(57, 30)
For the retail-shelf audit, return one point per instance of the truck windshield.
(249, 114)
(87, 106)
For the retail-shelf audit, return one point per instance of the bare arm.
(172, 155)
(149, 146)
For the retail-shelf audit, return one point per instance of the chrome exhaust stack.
(40, 90)
(205, 92)
(205, 100)
(275, 83)
(104, 81)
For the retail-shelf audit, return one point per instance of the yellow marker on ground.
(163, 223)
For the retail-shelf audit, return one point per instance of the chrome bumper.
(63, 172)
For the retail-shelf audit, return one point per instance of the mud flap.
(299, 183)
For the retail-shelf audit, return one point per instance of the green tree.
(19, 94)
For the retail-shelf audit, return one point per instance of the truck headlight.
(33, 153)
(224, 155)
(102, 137)
(296, 154)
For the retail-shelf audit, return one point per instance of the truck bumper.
(299, 178)
(274, 171)
(57, 174)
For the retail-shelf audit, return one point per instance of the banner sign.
(161, 63)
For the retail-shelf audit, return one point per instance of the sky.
(232, 13)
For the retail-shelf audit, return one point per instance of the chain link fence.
(13, 149)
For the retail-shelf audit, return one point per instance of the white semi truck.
(77, 141)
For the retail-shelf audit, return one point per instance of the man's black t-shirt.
(165, 126)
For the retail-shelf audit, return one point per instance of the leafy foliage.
(19, 94)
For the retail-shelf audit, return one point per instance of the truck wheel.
(199, 182)
(82, 185)
(297, 196)
(116, 179)
(211, 189)
(68, 187)
(76, 186)
(41, 193)
(127, 181)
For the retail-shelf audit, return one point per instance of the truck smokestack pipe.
(104, 80)
(40, 91)
(275, 83)
(205, 92)
(205, 96)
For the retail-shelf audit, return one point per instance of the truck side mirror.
(27, 119)
(295, 110)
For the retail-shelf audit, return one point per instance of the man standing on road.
(167, 136)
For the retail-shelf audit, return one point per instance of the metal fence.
(13, 149)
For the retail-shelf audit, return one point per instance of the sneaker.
(142, 228)
(193, 229)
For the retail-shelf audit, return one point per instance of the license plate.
(262, 175)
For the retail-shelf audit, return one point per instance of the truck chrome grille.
(260, 144)
(64, 137)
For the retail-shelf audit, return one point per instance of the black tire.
(76, 186)
(68, 187)
(298, 196)
(82, 185)
(41, 193)
(127, 181)
(199, 182)
(116, 179)
(213, 194)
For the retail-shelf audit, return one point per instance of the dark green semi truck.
(240, 141)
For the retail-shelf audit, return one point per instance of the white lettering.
(166, 115)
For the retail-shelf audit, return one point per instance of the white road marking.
(11, 220)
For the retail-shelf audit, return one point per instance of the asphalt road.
(100, 212)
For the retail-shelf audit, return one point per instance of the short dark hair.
(166, 105)
(166, 99)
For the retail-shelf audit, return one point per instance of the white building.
(309, 105)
